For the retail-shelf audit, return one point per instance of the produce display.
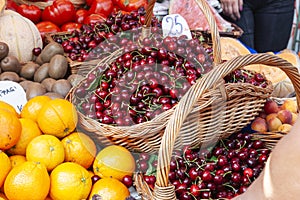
(44, 152)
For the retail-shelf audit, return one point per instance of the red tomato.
(11, 5)
(103, 7)
(46, 27)
(71, 26)
(93, 18)
(130, 5)
(60, 12)
(80, 15)
(31, 12)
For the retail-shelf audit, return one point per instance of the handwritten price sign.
(13, 94)
(175, 25)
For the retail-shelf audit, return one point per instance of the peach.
(259, 124)
(285, 128)
(290, 105)
(285, 116)
(274, 123)
(272, 115)
(262, 115)
(294, 118)
(271, 107)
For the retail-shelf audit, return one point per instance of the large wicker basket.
(165, 191)
(217, 112)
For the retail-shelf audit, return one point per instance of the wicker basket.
(222, 108)
(43, 4)
(163, 190)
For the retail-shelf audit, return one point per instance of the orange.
(30, 130)
(2, 196)
(70, 181)
(79, 148)
(58, 117)
(109, 189)
(33, 107)
(29, 180)
(46, 149)
(5, 167)
(11, 129)
(114, 161)
(16, 160)
(8, 107)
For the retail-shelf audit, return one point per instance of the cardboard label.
(175, 25)
(13, 94)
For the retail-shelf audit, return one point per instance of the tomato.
(71, 26)
(11, 5)
(103, 7)
(31, 12)
(93, 18)
(80, 15)
(130, 5)
(60, 12)
(46, 27)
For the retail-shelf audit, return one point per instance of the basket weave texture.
(217, 109)
(164, 191)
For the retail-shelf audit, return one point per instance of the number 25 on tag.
(175, 25)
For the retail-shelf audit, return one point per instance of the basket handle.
(185, 105)
(204, 6)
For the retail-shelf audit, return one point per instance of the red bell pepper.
(103, 7)
(130, 5)
(60, 12)
(31, 12)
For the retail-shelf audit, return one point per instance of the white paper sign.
(13, 94)
(175, 25)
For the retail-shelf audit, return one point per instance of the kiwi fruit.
(74, 79)
(51, 49)
(48, 83)
(4, 49)
(10, 64)
(9, 76)
(54, 95)
(25, 84)
(58, 67)
(28, 70)
(41, 73)
(35, 89)
(62, 87)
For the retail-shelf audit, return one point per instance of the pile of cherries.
(247, 76)
(221, 172)
(141, 84)
(97, 40)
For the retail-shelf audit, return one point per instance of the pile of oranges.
(43, 156)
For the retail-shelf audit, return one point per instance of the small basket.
(222, 108)
(165, 191)
(43, 4)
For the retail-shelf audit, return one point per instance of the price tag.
(175, 25)
(13, 94)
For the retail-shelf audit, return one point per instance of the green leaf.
(93, 86)
(213, 158)
(126, 2)
(151, 170)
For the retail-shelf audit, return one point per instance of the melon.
(283, 86)
(231, 48)
(19, 33)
